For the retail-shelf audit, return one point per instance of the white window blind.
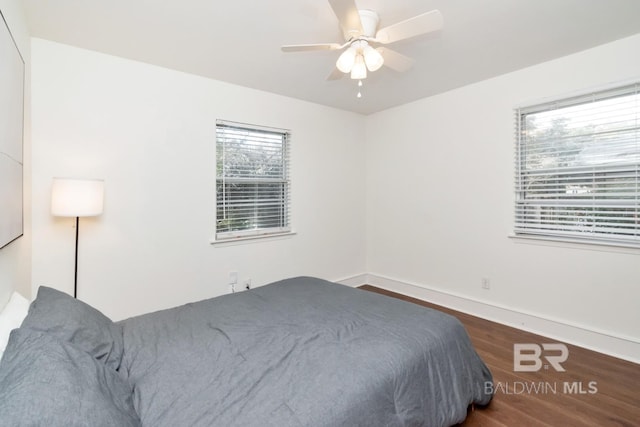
(578, 168)
(252, 180)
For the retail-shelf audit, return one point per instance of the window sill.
(251, 239)
(576, 244)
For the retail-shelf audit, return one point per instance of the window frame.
(622, 224)
(255, 134)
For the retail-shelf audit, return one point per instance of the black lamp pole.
(75, 269)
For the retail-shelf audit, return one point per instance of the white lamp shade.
(346, 60)
(77, 197)
(372, 58)
(359, 70)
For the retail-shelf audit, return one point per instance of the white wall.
(440, 205)
(15, 259)
(149, 132)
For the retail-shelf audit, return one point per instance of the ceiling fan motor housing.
(369, 20)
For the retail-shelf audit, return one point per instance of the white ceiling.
(238, 41)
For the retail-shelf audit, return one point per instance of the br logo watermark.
(534, 357)
(528, 357)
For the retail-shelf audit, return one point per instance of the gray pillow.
(73, 321)
(46, 381)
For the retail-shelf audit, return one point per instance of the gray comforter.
(301, 352)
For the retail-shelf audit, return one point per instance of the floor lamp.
(76, 198)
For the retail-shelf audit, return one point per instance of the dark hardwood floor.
(594, 390)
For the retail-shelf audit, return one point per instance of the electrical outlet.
(486, 284)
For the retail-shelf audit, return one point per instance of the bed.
(298, 352)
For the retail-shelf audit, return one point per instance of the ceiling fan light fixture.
(360, 27)
(346, 60)
(372, 58)
(359, 70)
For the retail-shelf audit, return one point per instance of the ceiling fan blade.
(310, 47)
(335, 74)
(394, 60)
(420, 24)
(348, 16)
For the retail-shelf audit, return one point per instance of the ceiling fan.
(362, 41)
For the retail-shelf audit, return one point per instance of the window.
(252, 181)
(577, 168)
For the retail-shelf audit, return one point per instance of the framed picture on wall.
(11, 136)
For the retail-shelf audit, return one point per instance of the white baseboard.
(354, 281)
(615, 345)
